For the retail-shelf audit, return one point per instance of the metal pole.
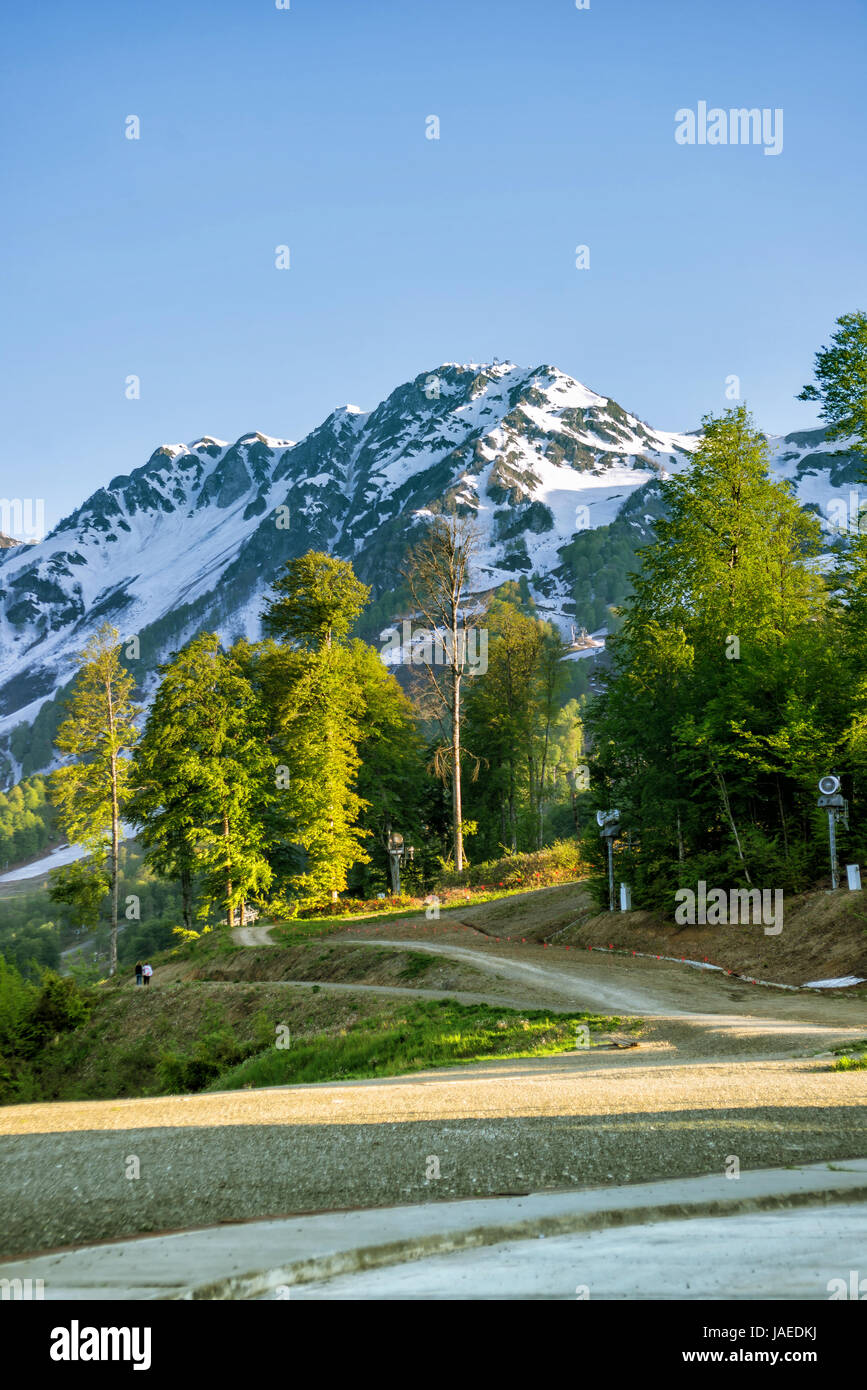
(832, 836)
(610, 874)
(395, 860)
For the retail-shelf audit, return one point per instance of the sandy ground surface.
(724, 1070)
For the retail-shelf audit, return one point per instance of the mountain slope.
(193, 539)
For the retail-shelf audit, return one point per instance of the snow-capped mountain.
(192, 540)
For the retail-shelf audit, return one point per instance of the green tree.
(162, 804)
(98, 735)
(549, 682)
(314, 601)
(712, 725)
(841, 381)
(202, 775)
(392, 774)
(499, 713)
(311, 688)
(81, 886)
(841, 390)
(510, 713)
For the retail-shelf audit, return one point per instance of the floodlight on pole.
(609, 829)
(837, 808)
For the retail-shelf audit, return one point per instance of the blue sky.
(306, 127)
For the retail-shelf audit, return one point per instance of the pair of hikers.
(143, 973)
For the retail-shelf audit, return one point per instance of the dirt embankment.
(823, 936)
(342, 963)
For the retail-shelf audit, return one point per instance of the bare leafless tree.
(438, 573)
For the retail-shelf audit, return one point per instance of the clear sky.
(306, 127)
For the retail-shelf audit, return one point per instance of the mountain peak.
(192, 540)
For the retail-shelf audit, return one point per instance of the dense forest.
(272, 774)
(739, 676)
(27, 822)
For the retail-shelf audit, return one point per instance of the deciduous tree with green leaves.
(699, 738)
(841, 381)
(204, 772)
(91, 790)
(392, 773)
(316, 707)
(840, 388)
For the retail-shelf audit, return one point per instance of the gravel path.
(492, 1129)
(622, 984)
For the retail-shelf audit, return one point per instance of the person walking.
(147, 971)
(138, 972)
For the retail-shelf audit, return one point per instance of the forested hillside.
(27, 822)
(740, 674)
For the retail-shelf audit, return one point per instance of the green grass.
(418, 964)
(847, 1062)
(302, 928)
(429, 1033)
(851, 1063)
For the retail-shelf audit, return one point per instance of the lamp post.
(395, 853)
(609, 829)
(837, 808)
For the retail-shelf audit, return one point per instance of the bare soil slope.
(824, 935)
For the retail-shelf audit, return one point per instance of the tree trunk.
(230, 911)
(728, 810)
(457, 812)
(115, 837)
(115, 872)
(542, 772)
(782, 817)
(531, 792)
(187, 898)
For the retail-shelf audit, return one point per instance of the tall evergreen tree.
(841, 381)
(163, 801)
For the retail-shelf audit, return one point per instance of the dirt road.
(708, 1085)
